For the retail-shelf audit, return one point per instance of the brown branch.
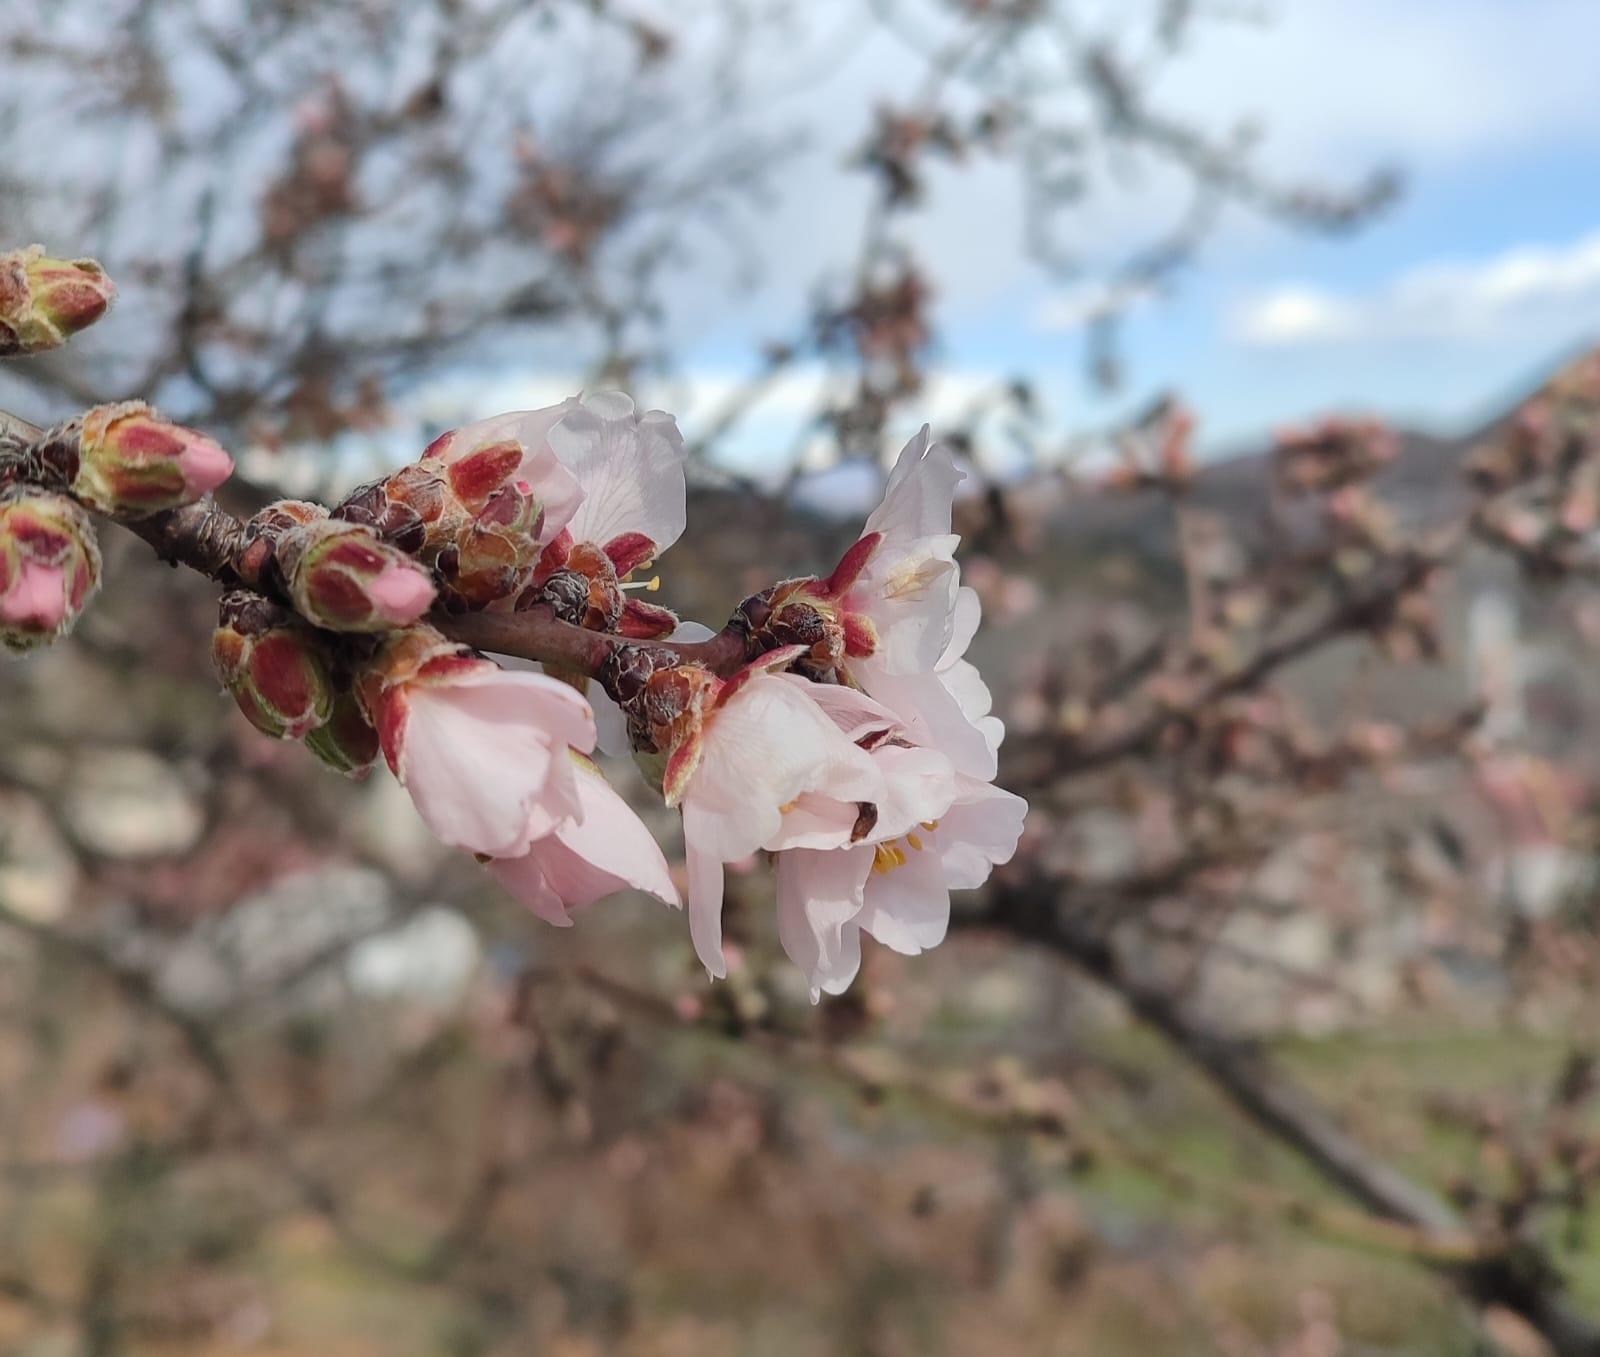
(1515, 1274)
(208, 539)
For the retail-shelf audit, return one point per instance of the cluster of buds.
(855, 743)
(479, 507)
(122, 460)
(291, 682)
(49, 566)
(45, 301)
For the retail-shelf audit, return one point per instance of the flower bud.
(44, 301)
(272, 665)
(346, 741)
(132, 463)
(49, 566)
(495, 554)
(341, 576)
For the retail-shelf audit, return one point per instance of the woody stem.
(208, 539)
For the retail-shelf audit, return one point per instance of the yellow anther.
(915, 842)
(886, 857)
(649, 586)
(930, 825)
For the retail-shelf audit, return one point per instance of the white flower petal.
(610, 725)
(630, 467)
(978, 832)
(919, 494)
(967, 616)
(762, 748)
(908, 907)
(818, 894)
(610, 843)
(932, 716)
(705, 903)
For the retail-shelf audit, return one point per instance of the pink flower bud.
(133, 463)
(346, 741)
(341, 576)
(44, 301)
(49, 566)
(272, 665)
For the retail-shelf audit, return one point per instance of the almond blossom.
(604, 849)
(894, 887)
(905, 618)
(756, 744)
(842, 873)
(629, 470)
(482, 751)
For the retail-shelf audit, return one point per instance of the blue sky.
(1485, 272)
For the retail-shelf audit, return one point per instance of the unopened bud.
(341, 576)
(44, 301)
(346, 741)
(495, 555)
(49, 566)
(132, 463)
(272, 665)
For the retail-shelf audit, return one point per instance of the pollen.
(886, 857)
(649, 586)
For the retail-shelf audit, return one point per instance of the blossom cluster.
(854, 743)
(834, 724)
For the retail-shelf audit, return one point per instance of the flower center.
(888, 856)
(649, 586)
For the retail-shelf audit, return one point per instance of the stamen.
(915, 842)
(930, 825)
(649, 586)
(886, 857)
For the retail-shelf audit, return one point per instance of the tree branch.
(1516, 1274)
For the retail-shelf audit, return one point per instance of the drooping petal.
(818, 895)
(705, 903)
(614, 842)
(630, 467)
(608, 850)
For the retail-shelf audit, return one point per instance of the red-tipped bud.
(495, 554)
(342, 577)
(346, 741)
(49, 566)
(468, 518)
(272, 665)
(44, 301)
(132, 463)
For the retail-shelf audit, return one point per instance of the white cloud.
(1533, 287)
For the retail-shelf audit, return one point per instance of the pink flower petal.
(36, 598)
